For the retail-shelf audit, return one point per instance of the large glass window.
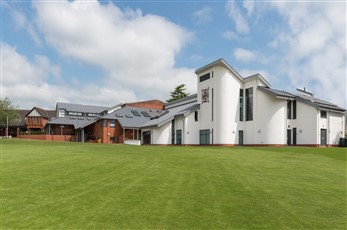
(289, 109)
(241, 104)
(204, 137)
(249, 104)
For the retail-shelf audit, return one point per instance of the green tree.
(178, 93)
(8, 112)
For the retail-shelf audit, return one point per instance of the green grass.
(95, 186)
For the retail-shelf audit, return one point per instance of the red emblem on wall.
(205, 95)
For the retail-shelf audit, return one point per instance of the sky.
(108, 52)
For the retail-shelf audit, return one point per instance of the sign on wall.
(205, 95)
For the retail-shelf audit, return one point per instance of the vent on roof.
(80, 118)
(119, 115)
(145, 114)
(73, 118)
(129, 116)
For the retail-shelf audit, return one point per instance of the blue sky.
(108, 52)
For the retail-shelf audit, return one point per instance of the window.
(294, 109)
(112, 123)
(249, 104)
(204, 137)
(136, 113)
(62, 112)
(173, 132)
(212, 104)
(91, 114)
(145, 114)
(323, 114)
(205, 77)
(196, 116)
(241, 104)
(289, 109)
(104, 123)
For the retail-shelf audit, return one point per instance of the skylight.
(145, 114)
(136, 113)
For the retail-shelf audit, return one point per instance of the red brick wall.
(153, 104)
(49, 137)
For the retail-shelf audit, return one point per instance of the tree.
(178, 93)
(8, 112)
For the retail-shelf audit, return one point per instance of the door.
(323, 137)
(289, 137)
(240, 137)
(178, 137)
(294, 136)
(146, 137)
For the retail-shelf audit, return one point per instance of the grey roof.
(277, 93)
(182, 100)
(44, 113)
(77, 122)
(259, 77)
(81, 108)
(21, 121)
(168, 115)
(319, 104)
(127, 119)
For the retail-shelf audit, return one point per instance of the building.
(231, 110)
(227, 110)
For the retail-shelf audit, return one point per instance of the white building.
(231, 110)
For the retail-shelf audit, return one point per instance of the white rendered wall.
(336, 128)
(162, 135)
(271, 117)
(192, 135)
(226, 101)
(306, 124)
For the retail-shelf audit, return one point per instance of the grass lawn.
(97, 186)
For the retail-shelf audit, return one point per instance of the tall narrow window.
(196, 116)
(249, 104)
(289, 109)
(294, 109)
(173, 132)
(241, 104)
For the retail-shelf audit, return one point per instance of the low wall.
(132, 142)
(49, 137)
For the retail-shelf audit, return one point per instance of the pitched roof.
(281, 94)
(169, 114)
(219, 62)
(319, 103)
(77, 122)
(222, 62)
(131, 117)
(21, 121)
(81, 108)
(44, 113)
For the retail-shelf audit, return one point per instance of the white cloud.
(204, 15)
(22, 22)
(247, 56)
(314, 47)
(25, 82)
(137, 52)
(244, 55)
(235, 14)
(230, 35)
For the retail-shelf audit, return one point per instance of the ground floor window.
(204, 137)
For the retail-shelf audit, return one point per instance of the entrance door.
(146, 137)
(294, 136)
(323, 137)
(178, 137)
(240, 137)
(289, 137)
